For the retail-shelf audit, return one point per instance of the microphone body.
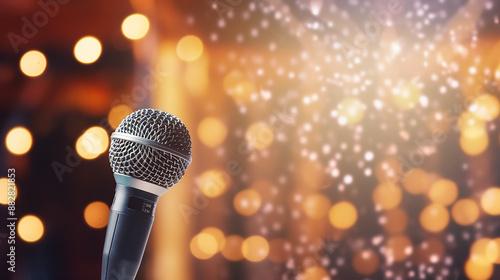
(130, 219)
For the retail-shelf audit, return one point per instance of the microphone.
(149, 153)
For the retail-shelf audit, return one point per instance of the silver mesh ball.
(149, 163)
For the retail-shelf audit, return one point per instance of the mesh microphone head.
(151, 145)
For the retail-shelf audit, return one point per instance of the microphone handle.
(130, 219)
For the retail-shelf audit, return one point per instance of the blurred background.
(330, 139)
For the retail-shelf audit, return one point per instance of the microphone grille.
(148, 162)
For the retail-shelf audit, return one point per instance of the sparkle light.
(212, 132)
(87, 50)
(33, 63)
(189, 48)
(135, 26)
(96, 214)
(30, 228)
(343, 215)
(255, 248)
(18, 140)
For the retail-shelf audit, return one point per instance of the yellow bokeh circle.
(189, 48)
(490, 201)
(33, 63)
(30, 228)
(96, 214)
(247, 202)
(255, 248)
(434, 217)
(387, 196)
(259, 135)
(465, 212)
(443, 191)
(343, 215)
(213, 182)
(212, 132)
(87, 50)
(19, 140)
(135, 26)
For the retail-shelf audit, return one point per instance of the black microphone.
(149, 153)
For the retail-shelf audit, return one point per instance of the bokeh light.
(350, 111)
(33, 63)
(247, 202)
(485, 249)
(117, 114)
(218, 235)
(387, 196)
(443, 191)
(465, 212)
(92, 143)
(255, 248)
(238, 86)
(486, 107)
(212, 132)
(316, 206)
(434, 217)
(30, 228)
(135, 26)
(96, 214)
(315, 273)
(398, 248)
(490, 201)
(429, 251)
(343, 215)
(279, 250)
(203, 246)
(416, 181)
(87, 50)
(478, 269)
(406, 95)
(18, 140)
(259, 135)
(213, 183)
(387, 170)
(394, 221)
(365, 262)
(4, 191)
(189, 48)
(474, 145)
(232, 248)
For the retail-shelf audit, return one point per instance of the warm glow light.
(247, 202)
(316, 206)
(212, 132)
(218, 235)
(259, 135)
(434, 217)
(406, 96)
(203, 246)
(33, 63)
(189, 48)
(365, 262)
(465, 212)
(416, 181)
(343, 215)
(238, 86)
(213, 183)
(4, 191)
(232, 248)
(394, 220)
(428, 251)
(18, 140)
(279, 250)
(470, 125)
(135, 26)
(490, 201)
(96, 214)
(30, 228)
(387, 170)
(497, 260)
(443, 191)
(398, 248)
(387, 196)
(486, 107)
(351, 111)
(315, 273)
(92, 143)
(117, 114)
(87, 50)
(255, 248)
(474, 145)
